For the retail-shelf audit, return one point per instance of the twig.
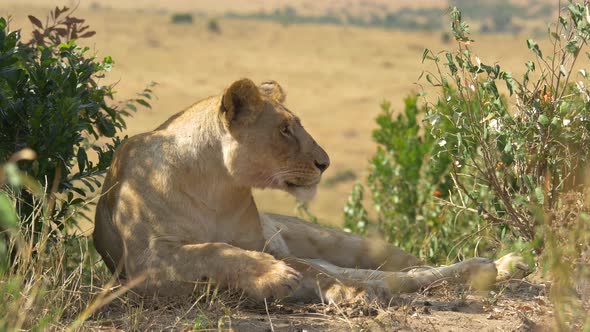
(268, 315)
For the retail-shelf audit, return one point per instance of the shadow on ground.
(511, 306)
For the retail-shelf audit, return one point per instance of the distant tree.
(182, 18)
(213, 26)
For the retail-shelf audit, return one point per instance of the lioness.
(177, 207)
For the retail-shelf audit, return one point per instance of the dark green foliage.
(288, 15)
(496, 17)
(408, 176)
(52, 102)
(213, 26)
(182, 18)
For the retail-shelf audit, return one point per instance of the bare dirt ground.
(512, 306)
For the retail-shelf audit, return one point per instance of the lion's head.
(266, 145)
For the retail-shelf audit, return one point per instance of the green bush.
(58, 132)
(510, 172)
(531, 157)
(408, 177)
(528, 156)
(182, 18)
(52, 102)
(213, 26)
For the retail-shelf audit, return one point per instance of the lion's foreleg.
(258, 274)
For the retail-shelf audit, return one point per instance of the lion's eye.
(286, 130)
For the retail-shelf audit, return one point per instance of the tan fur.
(177, 207)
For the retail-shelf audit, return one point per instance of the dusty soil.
(514, 306)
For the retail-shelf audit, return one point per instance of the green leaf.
(572, 47)
(563, 22)
(131, 107)
(425, 54)
(429, 79)
(450, 63)
(143, 103)
(540, 196)
(82, 159)
(510, 82)
(574, 10)
(36, 21)
(543, 119)
(533, 46)
(8, 216)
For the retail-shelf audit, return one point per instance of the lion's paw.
(480, 272)
(366, 292)
(269, 278)
(511, 266)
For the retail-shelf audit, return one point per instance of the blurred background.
(337, 60)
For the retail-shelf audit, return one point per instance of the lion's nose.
(322, 166)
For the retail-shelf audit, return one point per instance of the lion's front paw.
(480, 272)
(367, 291)
(511, 266)
(269, 278)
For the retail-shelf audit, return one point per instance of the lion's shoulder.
(201, 106)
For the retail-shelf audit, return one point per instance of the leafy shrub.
(52, 102)
(182, 18)
(526, 157)
(513, 168)
(58, 131)
(408, 176)
(213, 26)
(531, 159)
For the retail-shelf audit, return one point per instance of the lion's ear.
(273, 90)
(241, 101)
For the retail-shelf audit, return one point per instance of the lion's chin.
(303, 194)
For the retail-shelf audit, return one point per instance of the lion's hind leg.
(330, 284)
(334, 284)
(307, 240)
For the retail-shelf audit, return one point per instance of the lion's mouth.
(303, 192)
(293, 185)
